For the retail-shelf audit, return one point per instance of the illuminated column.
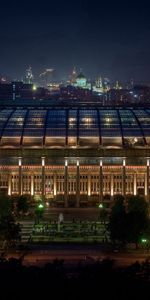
(112, 185)
(55, 184)
(145, 185)
(20, 175)
(147, 179)
(101, 180)
(89, 185)
(9, 185)
(32, 185)
(124, 178)
(135, 184)
(78, 185)
(66, 183)
(43, 176)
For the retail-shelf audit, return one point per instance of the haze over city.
(108, 39)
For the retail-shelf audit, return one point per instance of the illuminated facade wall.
(84, 180)
(74, 153)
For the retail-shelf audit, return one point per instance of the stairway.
(26, 230)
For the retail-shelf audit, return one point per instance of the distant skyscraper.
(29, 76)
(132, 83)
(107, 85)
(98, 86)
(117, 86)
(73, 76)
(99, 83)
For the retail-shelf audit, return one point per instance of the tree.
(9, 230)
(23, 204)
(118, 221)
(129, 221)
(5, 205)
(137, 219)
(119, 198)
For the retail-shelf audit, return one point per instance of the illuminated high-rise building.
(98, 87)
(73, 76)
(29, 76)
(99, 83)
(117, 86)
(106, 83)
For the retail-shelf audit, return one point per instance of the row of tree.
(17, 204)
(9, 229)
(129, 220)
(10, 209)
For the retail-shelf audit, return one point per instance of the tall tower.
(132, 83)
(117, 86)
(73, 76)
(99, 83)
(29, 75)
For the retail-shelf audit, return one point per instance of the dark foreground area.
(57, 280)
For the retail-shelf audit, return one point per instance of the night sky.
(106, 38)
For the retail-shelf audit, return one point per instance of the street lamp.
(40, 206)
(39, 210)
(101, 211)
(143, 241)
(101, 206)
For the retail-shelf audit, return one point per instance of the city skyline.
(111, 39)
(50, 75)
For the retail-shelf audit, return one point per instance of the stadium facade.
(74, 155)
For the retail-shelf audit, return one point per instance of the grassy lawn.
(70, 232)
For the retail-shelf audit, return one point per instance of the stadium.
(74, 155)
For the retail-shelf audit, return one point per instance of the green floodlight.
(100, 205)
(143, 240)
(40, 206)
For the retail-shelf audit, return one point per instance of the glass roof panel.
(72, 122)
(110, 123)
(133, 124)
(4, 115)
(35, 123)
(88, 123)
(130, 126)
(56, 123)
(15, 124)
(144, 119)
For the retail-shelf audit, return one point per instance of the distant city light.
(34, 87)
(108, 120)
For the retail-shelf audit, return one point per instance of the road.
(73, 256)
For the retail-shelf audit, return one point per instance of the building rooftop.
(74, 127)
(81, 76)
